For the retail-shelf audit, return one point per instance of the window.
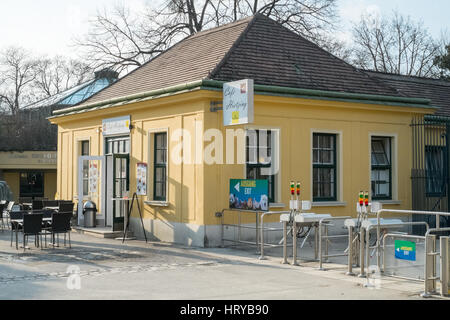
(324, 167)
(31, 184)
(160, 167)
(381, 173)
(259, 158)
(434, 170)
(117, 145)
(84, 151)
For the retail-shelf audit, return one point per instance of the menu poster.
(141, 178)
(93, 177)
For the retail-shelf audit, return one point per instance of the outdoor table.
(51, 208)
(18, 222)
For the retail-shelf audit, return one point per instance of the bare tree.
(394, 44)
(122, 40)
(55, 75)
(17, 72)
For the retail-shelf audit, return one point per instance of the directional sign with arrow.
(249, 194)
(405, 250)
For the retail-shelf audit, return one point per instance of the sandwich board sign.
(250, 195)
(405, 250)
(238, 102)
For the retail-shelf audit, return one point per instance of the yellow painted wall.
(197, 191)
(13, 181)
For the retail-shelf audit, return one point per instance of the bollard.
(350, 252)
(444, 265)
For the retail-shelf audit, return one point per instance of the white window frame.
(276, 151)
(79, 142)
(339, 168)
(394, 164)
(150, 172)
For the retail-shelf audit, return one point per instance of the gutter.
(215, 85)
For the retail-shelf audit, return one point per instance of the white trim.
(276, 150)
(339, 166)
(329, 204)
(150, 172)
(394, 160)
(157, 203)
(78, 150)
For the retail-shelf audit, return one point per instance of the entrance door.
(121, 187)
(91, 186)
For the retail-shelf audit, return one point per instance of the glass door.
(121, 183)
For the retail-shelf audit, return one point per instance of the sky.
(48, 27)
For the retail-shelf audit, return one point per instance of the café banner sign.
(113, 126)
(238, 102)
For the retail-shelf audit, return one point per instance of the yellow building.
(321, 122)
(29, 173)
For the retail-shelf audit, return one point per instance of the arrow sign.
(405, 250)
(237, 187)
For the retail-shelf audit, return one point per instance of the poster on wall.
(141, 178)
(238, 102)
(249, 195)
(93, 177)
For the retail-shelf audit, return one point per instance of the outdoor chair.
(2, 208)
(61, 224)
(32, 226)
(50, 203)
(65, 206)
(15, 226)
(37, 205)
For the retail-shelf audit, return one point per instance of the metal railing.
(325, 223)
(259, 229)
(430, 248)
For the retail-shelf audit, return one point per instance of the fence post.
(350, 252)
(294, 243)
(430, 265)
(362, 256)
(444, 265)
(285, 242)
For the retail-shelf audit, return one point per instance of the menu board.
(141, 178)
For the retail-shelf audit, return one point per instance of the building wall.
(197, 191)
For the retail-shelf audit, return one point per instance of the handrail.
(321, 222)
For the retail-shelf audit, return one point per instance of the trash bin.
(89, 211)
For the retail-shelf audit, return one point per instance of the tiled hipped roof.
(438, 91)
(257, 48)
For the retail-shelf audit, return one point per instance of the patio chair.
(37, 205)
(32, 226)
(61, 224)
(50, 203)
(65, 206)
(15, 226)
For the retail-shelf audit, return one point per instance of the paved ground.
(107, 269)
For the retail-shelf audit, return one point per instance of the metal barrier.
(397, 236)
(325, 223)
(259, 229)
(445, 266)
(367, 229)
(430, 263)
(430, 248)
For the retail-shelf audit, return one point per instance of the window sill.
(388, 201)
(329, 204)
(157, 203)
(277, 205)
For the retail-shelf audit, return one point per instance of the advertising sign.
(249, 194)
(141, 178)
(93, 177)
(405, 250)
(113, 126)
(238, 102)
